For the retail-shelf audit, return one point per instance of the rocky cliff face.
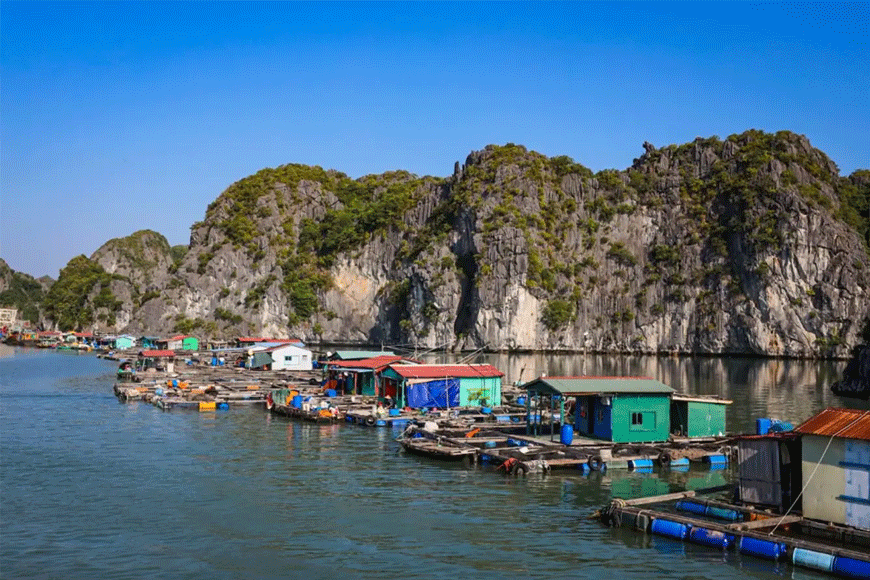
(748, 245)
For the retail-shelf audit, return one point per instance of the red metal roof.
(157, 353)
(180, 337)
(441, 371)
(264, 339)
(833, 422)
(374, 363)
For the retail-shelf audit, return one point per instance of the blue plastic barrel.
(762, 426)
(710, 538)
(486, 410)
(395, 412)
(812, 559)
(691, 507)
(567, 434)
(174, 382)
(781, 426)
(716, 459)
(331, 392)
(640, 463)
(584, 468)
(762, 548)
(223, 406)
(381, 423)
(723, 514)
(851, 568)
(296, 401)
(669, 528)
(681, 462)
(521, 400)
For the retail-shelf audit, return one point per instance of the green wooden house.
(443, 386)
(361, 377)
(619, 409)
(697, 416)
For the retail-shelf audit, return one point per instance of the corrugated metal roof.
(376, 362)
(157, 353)
(845, 423)
(442, 371)
(359, 354)
(595, 385)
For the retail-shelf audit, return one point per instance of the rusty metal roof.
(845, 423)
(445, 371)
(157, 353)
(374, 363)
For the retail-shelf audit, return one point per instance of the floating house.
(156, 359)
(357, 354)
(361, 377)
(442, 386)
(281, 357)
(149, 342)
(249, 341)
(124, 341)
(179, 342)
(835, 466)
(619, 409)
(769, 470)
(49, 338)
(698, 416)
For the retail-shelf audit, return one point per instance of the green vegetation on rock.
(69, 303)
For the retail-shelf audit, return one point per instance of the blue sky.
(116, 117)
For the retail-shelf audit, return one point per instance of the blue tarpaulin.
(433, 394)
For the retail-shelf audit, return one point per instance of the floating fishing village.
(800, 493)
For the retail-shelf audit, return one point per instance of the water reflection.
(787, 389)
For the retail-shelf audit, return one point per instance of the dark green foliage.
(257, 292)
(134, 247)
(24, 293)
(557, 314)
(663, 254)
(177, 253)
(150, 295)
(621, 254)
(67, 301)
(564, 165)
(854, 209)
(224, 314)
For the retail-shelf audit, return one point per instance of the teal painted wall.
(640, 418)
(697, 419)
(190, 343)
(706, 419)
(123, 342)
(473, 391)
(367, 384)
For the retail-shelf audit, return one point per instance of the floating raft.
(750, 531)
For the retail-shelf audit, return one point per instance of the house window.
(643, 421)
(288, 358)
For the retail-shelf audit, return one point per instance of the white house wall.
(820, 496)
(301, 359)
(856, 456)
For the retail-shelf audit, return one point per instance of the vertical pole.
(528, 412)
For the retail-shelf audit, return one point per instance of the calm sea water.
(92, 488)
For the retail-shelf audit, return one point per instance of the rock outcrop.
(856, 376)
(750, 245)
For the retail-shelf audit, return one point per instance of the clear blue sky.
(118, 117)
